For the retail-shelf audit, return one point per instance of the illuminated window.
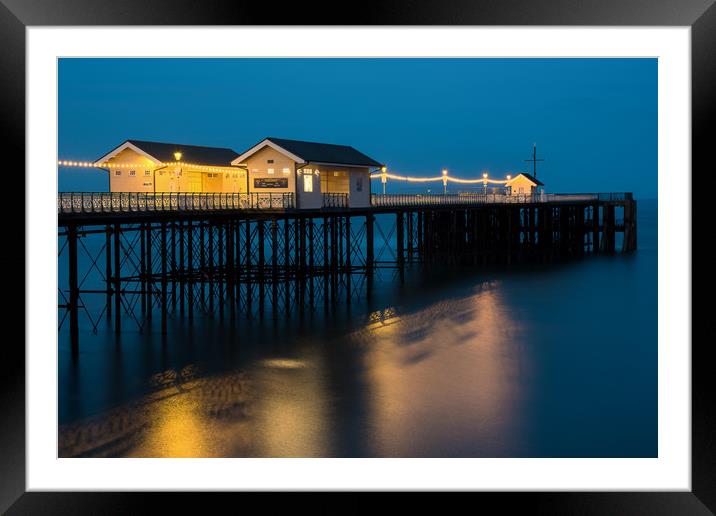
(307, 183)
(147, 173)
(285, 171)
(117, 172)
(132, 173)
(308, 170)
(270, 171)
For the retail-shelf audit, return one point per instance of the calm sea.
(533, 361)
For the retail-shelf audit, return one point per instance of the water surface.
(554, 360)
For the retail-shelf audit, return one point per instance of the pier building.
(276, 172)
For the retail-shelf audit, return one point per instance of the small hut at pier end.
(523, 184)
(320, 174)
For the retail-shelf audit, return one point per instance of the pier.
(132, 257)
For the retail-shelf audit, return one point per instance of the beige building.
(320, 174)
(141, 166)
(523, 184)
(317, 174)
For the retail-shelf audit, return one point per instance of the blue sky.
(594, 120)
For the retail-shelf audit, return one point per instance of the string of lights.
(144, 166)
(444, 177)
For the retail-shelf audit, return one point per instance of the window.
(359, 184)
(269, 161)
(147, 183)
(117, 172)
(270, 171)
(132, 173)
(147, 173)
(308, 170)
(307, 183)
(286, 171)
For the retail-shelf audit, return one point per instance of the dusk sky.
(594, 120)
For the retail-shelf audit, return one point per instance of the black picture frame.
(16, 15)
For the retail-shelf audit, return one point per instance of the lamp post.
(484, 182)
(445, 180)
(384, 177)
(509, 177)
(177, 171)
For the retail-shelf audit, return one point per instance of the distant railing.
(395, 200)
(105, 202)
(335, 200)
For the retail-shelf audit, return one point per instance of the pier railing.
(105, 202)
(335, 200)
(397, 200)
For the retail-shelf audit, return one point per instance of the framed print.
(440, 249)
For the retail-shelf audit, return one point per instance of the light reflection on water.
(282, 406)
(552, 361)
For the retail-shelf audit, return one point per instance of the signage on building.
(270, 182)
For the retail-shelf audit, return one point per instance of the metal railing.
(335, 200)
(105, 202)
(396, 200)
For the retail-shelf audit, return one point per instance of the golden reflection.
(291, 417)
(279, 408)
(427, 367)
(184, 416)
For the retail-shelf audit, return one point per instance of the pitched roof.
(217, 156)
(164, 152)
(319, 152)
(532, 178)
(529, 177)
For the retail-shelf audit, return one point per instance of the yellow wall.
(125, 182)
(171, 178)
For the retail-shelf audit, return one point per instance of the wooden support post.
(74, 294)
(311, 264)
(334, 258)
(142, 265)
(247, 266)
(237, 262)
(210, 266)
(419, 234)
(409, 217)
(149, 270)
(262, 259)
(202, 262)
(326, 270)
(181, 268)
(230, 268)
(173, 265)
(348, 265)
(191, 267)
(108, 269)
(287, 264)
(301, 250)
(117, 280)
(595, 229)
(369, 251)
(274, 266)
(400, 244)
(220, 261)
(164, 277)
(608, 240)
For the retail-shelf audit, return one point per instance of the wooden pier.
(131, 258)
